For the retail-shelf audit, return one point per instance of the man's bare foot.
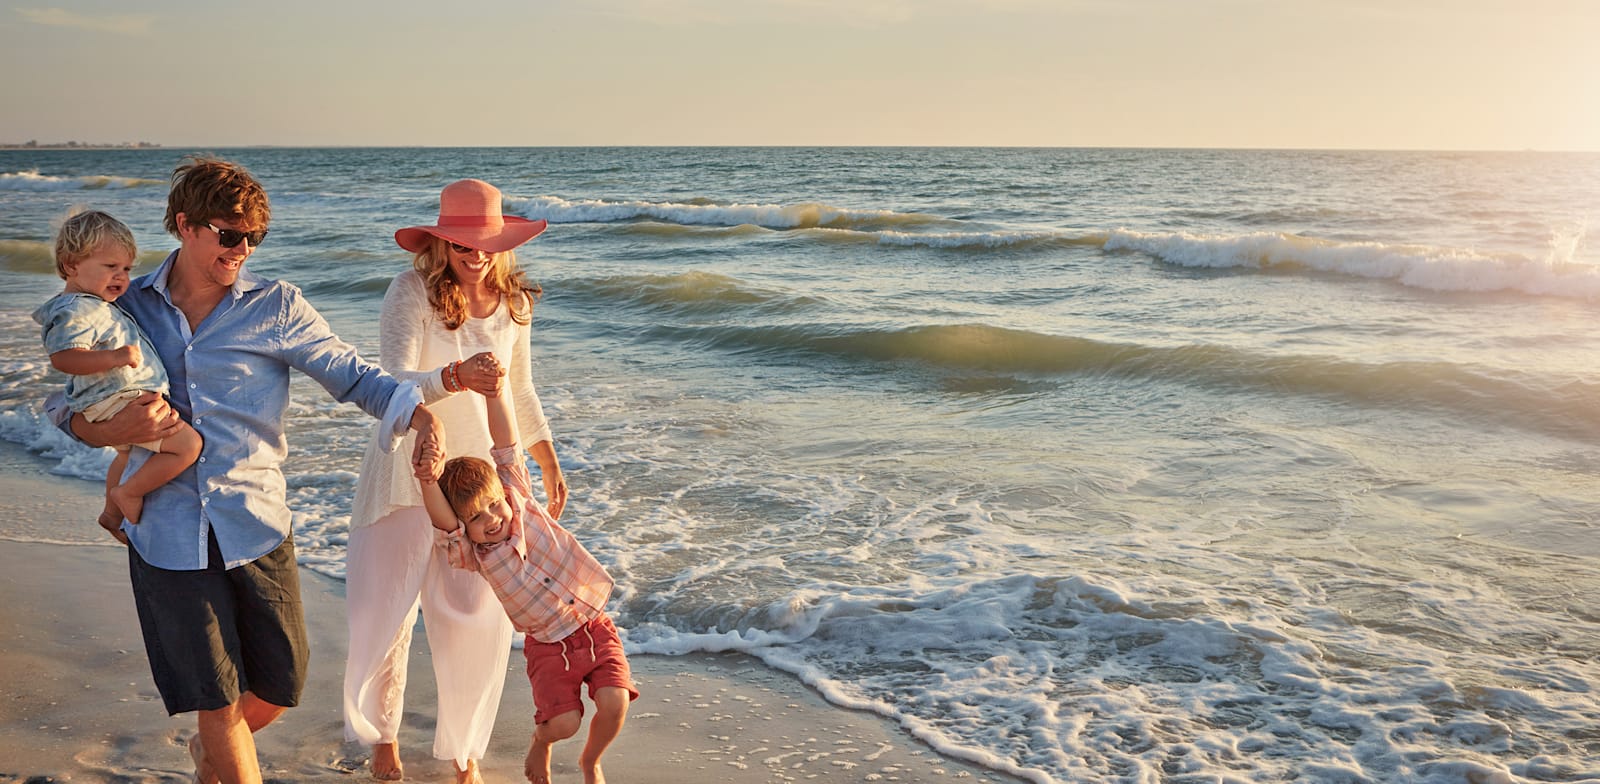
(470, 775)
(131, 504)
(386, 762)
(203, 774)
(537, 766)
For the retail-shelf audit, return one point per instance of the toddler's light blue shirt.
(73, 320)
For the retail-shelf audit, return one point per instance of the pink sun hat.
(470, 215)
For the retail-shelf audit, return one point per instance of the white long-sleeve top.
(414, 346)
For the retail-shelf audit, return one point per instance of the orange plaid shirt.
(549, 584)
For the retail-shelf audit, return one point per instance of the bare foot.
(593, 774)
(111, 520)
(537, 766)
(470, 775)
(132, 505)
(386, 762)
(203, 774)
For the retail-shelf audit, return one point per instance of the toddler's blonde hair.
(84, 231)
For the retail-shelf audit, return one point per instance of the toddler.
(108, 360)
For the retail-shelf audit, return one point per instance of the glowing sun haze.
(1386, 74)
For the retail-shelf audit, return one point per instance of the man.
(211, 561)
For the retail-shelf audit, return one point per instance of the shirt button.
(191, 386)
(203, 500)
(202, 459)
(198, 420)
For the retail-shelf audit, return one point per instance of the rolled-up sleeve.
(311, 347)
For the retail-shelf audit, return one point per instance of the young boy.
(554, 591)
(108, 359)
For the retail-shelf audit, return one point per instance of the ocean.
(1086, 465)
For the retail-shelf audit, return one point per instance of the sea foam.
(1433, 268)
(34, 181)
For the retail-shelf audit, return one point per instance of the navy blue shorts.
(214, 634)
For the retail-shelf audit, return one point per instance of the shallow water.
(1087, 465)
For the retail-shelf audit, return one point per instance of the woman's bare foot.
(470, 775)
(537, 766)
(131, 504)
(386, 762)
(203, 774)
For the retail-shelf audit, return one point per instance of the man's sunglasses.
(229, 238)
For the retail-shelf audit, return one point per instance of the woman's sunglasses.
(229, 238)
(464, 250)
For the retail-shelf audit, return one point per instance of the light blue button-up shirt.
(230, 380)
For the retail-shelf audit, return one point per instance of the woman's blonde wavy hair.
(444, 294)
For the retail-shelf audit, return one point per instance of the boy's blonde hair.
(468, 483)
(82, 232)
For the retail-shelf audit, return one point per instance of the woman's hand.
(555, 491)
(482, 373)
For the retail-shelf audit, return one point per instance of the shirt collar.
(247, 280)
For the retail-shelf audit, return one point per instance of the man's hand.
(146, 418)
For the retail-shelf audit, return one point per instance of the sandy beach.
(78, 703)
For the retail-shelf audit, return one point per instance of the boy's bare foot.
(470, 775)
(386, 762)
(203, 774)
(593, 774)
(132, 505)
(537, 766)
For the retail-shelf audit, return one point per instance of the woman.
(458, 325)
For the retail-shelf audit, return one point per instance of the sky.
(1324, 74)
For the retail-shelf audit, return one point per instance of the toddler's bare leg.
(177, 453)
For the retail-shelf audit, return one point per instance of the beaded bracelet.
(452, 381)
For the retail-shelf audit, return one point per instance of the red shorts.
(558, 670)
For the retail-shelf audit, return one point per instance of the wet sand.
(77, 702)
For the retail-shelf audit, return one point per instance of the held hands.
(427, 457)
(482, 373)
(428, 460)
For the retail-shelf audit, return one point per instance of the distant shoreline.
(81, 146)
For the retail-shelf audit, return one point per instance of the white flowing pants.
(392, 567)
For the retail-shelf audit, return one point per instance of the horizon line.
(146, 146)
